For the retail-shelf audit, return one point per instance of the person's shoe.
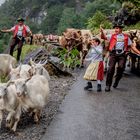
(99, 88)
(82, 66)
(115, 84)
(89, 86)
(107, 89)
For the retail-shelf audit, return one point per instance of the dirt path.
(98, 116)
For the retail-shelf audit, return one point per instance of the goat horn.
(19, 67)
(27, 79)
(45, 62)
(32, 62)
(10, 67)
(39, 62)
(9, 82)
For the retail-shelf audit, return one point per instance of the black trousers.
(16, 41)
(113, 60)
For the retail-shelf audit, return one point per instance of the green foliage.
(4, 41)
(69, 59)
(1, 46)
(129, 14)
(98, 19)
(33, 26)
(4, 22)
(107, 7)
(3, 79)
(66, 19)
(50, 23)
(135, 2)
(69, 19)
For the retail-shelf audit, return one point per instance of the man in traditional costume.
(20, 31)
(119, 45)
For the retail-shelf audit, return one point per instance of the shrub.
(69, 59)
(98, 19)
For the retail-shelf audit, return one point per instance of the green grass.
(26, 50)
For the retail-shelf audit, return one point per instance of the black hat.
(118, 25)
(20, 19)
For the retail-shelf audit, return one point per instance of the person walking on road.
(20, 31)
(95, 70)
(119, 45)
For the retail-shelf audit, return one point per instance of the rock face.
(1, 2)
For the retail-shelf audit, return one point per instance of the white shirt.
(120, 41)
(95, 54)
(20, 28)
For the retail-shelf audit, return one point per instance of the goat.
(5, 61)
(39, 69)
(22, 71)
(33, 93)
(10, 103)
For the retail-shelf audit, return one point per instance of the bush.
(69, 59)
(1, 46)
(98, 19)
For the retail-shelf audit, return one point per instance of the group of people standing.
(119, 45)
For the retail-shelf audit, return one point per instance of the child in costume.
(95, 70)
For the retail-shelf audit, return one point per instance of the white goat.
(10, 103)
(26, 71)
(22, 71)
(5, 61)
(33, 94)
(39, 69)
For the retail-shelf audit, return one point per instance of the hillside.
(54, 16)
(45, 16)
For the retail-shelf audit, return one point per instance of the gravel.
(27, 129)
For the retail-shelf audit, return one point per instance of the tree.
(98, 19)
(129, 14)
(106, 7)
(135, 2)
(49, 25)
(69, 19)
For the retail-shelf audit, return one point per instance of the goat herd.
(26, 91)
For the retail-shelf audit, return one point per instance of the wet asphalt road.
(86, 115)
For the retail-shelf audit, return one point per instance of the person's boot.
(82, 66)
(107, 88)
(115, 84)
(89, 86)
(99, 88)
